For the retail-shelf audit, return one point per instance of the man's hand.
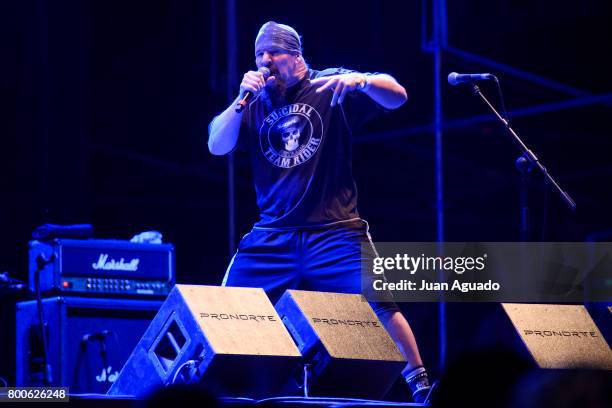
(224, 129)
(253, 81)
(340, 85)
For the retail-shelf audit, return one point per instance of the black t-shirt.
(301, 154)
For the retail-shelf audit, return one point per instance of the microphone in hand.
(248, 95)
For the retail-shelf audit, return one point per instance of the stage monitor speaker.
(349, 351)
(233, 337)
(560, 336)
(601, 312)
(89, 340)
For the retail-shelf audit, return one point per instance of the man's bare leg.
(414, 373)
(401, 333)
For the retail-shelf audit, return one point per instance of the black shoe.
(421, 395)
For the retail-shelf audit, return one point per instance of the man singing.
(298, 129)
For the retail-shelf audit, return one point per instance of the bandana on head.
(279, 36)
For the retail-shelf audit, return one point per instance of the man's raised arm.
(224, 129)
(382, 88)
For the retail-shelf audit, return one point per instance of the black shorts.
(325, 258)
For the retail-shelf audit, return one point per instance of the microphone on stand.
(249, 95)
(456, 79)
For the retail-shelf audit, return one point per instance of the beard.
(275, 95)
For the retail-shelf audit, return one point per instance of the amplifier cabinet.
(89, 340)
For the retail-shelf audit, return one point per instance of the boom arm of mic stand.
(528, 154)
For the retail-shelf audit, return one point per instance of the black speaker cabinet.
(349, 351)
(89, 340)
(238, 345)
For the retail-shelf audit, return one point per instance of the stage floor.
(100, 400)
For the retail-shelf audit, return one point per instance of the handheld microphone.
(249, 95)
(456, 79)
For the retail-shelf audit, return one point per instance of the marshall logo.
(247, 317)
(563, 333)
(291, 135)
(344, 322)
(104, 264)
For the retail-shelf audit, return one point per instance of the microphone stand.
(103, 353)
(525, 163)
(524, 167)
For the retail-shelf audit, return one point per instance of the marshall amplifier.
(349, 351)
(99, 266)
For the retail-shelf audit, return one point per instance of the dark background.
(105, 107)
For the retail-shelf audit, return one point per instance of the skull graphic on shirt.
(290, 131)
(291, 135)
(291, 138)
